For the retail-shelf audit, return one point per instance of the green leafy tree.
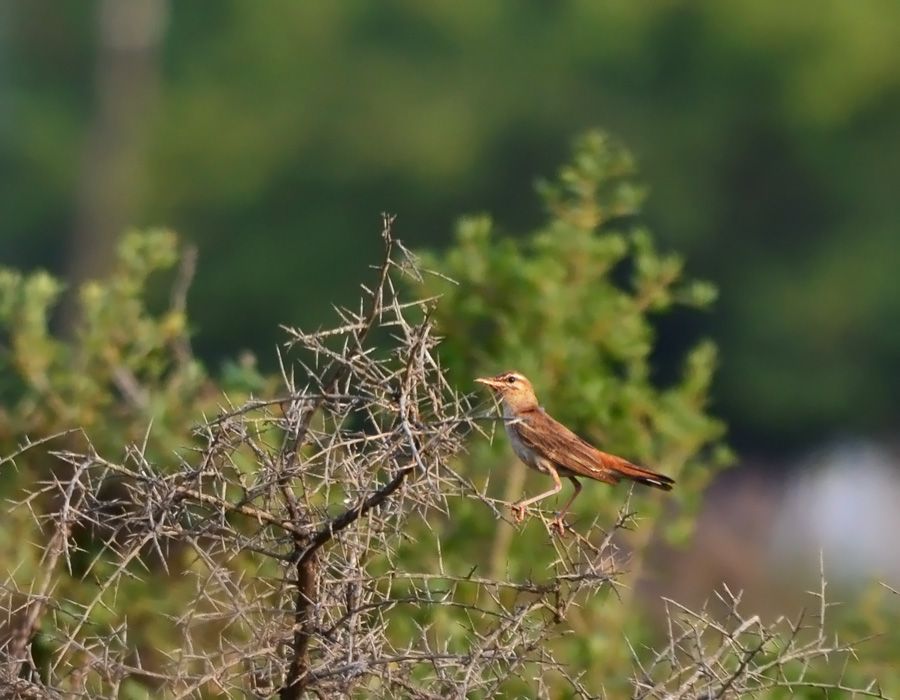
(572, 305)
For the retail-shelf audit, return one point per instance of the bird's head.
(513, 389)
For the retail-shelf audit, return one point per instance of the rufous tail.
(641, 475)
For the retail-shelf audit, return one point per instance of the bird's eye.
(510, 380)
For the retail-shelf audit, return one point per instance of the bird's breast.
(523, 451)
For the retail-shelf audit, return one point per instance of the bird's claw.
(518, 512)
(559, 524)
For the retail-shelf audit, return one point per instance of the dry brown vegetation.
(293, 520)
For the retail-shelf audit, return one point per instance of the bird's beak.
(488, 381)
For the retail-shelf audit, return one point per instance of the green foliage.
(115, 368)
(572, 305)
(119, 374)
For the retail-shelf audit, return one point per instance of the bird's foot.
(518, 512)
(559, 524)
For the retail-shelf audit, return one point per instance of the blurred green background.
(767, 133)
(272, 137)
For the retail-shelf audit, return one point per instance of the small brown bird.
(551, 448)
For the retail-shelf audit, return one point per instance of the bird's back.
(547, 438)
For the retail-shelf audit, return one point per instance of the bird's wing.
(553, 440)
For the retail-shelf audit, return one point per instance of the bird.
(546, 445)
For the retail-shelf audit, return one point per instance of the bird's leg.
(518, 509)
(558, 520)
